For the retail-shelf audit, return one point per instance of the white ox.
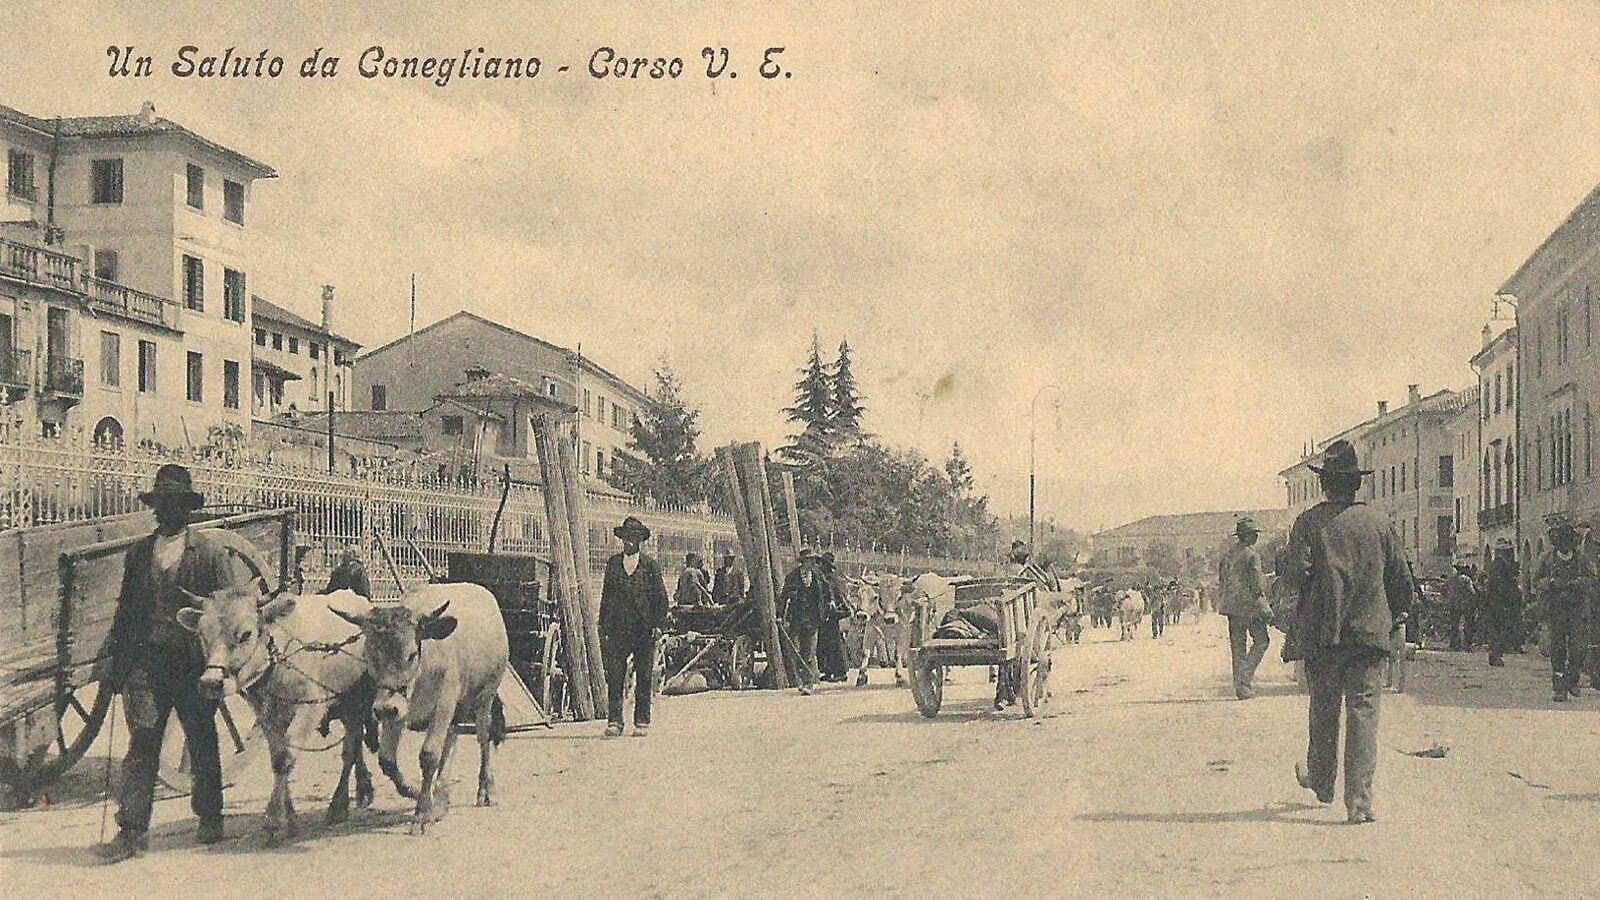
(883, 618)
(437, 655)
(1131, 607)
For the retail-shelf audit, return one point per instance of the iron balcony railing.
(16, 367)
(63, 375)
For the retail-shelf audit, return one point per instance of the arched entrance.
(108, 433)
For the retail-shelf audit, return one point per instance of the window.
(1458, 516)
(588, 402)
(105, 265)
(19, 175)
(600, 408)
(1490, 499)
(1497, 392)
(550, 388)
(110, 359)
(600, 463)
(277, 340)
(1447, 471)
(147, 367)
(1538, 350)
(1538, 457)
(380, 397)
(233, 201)
(1511, 474)
(294, 345)
(452, 425)
(195, 178)
(230, 384)
(1402, 478)
(194, 284)
(195, 382)
(261, 337)
(587, 449)
(1511, 383)
(233, 295)
(1588, 441)
(315, 349)
(316, 396)
(105, 181)
(616, 417)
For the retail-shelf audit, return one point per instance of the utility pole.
(1032, 429)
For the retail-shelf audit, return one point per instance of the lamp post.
(1032, 440)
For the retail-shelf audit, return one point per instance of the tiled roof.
(1267, 520)
(383, 425)
(92, 127)
(272, 370)
(266, 309)
(495, 386)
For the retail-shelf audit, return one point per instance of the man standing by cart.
(803, 601)
(156, 664)
(694, 584)
(1348, 568)
(633, 604)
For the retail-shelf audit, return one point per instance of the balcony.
(63, 376)
(16, 368)
(1496, 516)
(37, 265)
(120, 300)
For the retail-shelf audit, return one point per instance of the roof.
(588, 363)
(1221, 523)
(498, 386)
(135, 125)
(1506, 338)
(1586, 218)
(1444, 402)
(272, 370)
(266, 309)
(383, 425)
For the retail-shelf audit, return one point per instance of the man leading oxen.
(437, 657)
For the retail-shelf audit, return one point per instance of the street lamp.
(1032, 439)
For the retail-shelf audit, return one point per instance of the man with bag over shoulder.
(1346, 564)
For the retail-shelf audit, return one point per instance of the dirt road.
(1150, 779)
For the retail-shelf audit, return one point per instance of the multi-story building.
(105, 219)
(1464, 430)
(1413, 455)
(1193, 539)
(298, 363)
(1496, 365)
(1557, 374)
(412, 372)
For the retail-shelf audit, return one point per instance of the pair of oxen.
(422, 663)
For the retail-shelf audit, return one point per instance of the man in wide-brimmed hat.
(1242, 598)
(1502, 602)
(804, 602)
(1565, 581)
(1461, 602)
(1348, 568)
(633, 606)
(157, 664)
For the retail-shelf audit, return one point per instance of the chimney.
(1412, 394)
(147, 113)
(327, 308)
(1488, 334)
(1383, 408)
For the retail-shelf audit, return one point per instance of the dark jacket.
(630, 604)
(350, 577)
(692, 590)
(1241, 588)
(1562, 581)
(1346, 563)
(144, 630)
(1500, 585)
(803, 605)
(729, 587)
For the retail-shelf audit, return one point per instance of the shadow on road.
(1276, 812)
(1465, 680)
(947, 716)
(1576, 798)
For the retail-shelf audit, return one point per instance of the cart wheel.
(75, 728)
(1035, 666)
(551, 675)
(237, 739)
(927, 686)
(742, 662)
(658, 668)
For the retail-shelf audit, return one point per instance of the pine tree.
(847, 408)
(959, 471)
(663, 464)
(813, 412)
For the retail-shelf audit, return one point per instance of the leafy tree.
(662, 463)
(847, 408)
(1163, 557)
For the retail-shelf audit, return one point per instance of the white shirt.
(630, 562)
(168, 551)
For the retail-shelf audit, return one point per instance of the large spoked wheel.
(238, 741)
(1036, 659)
(75, 728)
(552, 677)
(927, 685)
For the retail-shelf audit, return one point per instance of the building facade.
(128, 259)
(1496, 365)
(296, 362)
(1193, 539)
(1465, 430)
(411, 373)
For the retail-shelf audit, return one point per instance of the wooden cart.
(58, 593)
(1028, 617)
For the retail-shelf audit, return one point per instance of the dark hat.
(1245, 525)
(1016, 544)
(1340, 459)
(172, 480)
(632, 528)
(807, 553)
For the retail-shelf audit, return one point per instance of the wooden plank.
(589, 598)
(760, 557)
(793, 510)
(761, 589)
(579, 683)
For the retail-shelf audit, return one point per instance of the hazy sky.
(1220, 232)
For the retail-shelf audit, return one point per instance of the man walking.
(1502, 602)
(156, 664)
(1346, 564)
(1242, 598)
(729, 585)
(830, 639)
(1565, 581)
(803, 601)
(1460, 597)
(633, 604)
